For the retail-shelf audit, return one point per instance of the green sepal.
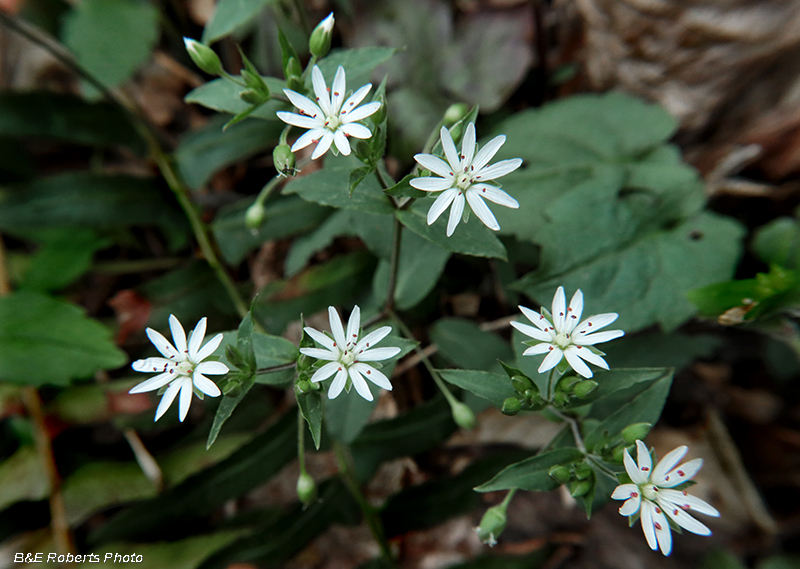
(403, 189)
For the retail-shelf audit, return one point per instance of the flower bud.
(320, 41)
(511, 406)
(283, 159)
(635, 432)
(232, 389)
(303, 386)
(583, 472)
(203, 57)
(579, 488)
(618, 452)
(560, 474)
(492, 524)
(463, 416)
(254, 216)
(306, 489)
(253, 97)
(584, 388)
(455, 113)
(380, 115)
(292, 68)
(521, 383)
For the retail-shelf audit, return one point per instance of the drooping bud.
(253, 97)
(320, 41)
(203, 57)
(584, 388)
(511, 406)
(463, 416)
(560, 474)
(492, 524)
(283, 160)
(306, 489)
(254, 216)
(455, 113)
(635, 432)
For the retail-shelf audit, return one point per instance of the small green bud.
(560, 398)
(254, 216)
(455, 113)
(253, 97)
(579, 488)
(283, 160)
(255, 82)
(532, 396)
(521, 383)
(463, 416)
(582, 472)
(618, 452)
(560, 474)
(232, 389)
(203, 57)
(566, 383)
(306, 489)
(303, 386)
(380, 115)
(511, 406)
(584, 388)
(635, 432)
(492, 524)
(319, 44)
(292, 68)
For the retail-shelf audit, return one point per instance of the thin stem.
(275, 368)
(301, 442)
(58, 513)
(508, 497)
(573, 424)
(394, 263)
(550, 386)
(597, 462)
(451, 399)
(370, 515)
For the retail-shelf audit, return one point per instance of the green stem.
(301, 442)
(508, 497)
(573, 424)
(550, 385)
(394, 264)
(597, 462)
(370, 515)
(275, 368)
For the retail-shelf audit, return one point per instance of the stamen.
(657, 525)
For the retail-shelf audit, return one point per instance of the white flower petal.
(321, 91)
(373, 338)
(434, 164)
(496, 195)
(340, 139)
(378, 354)
(670, 460)
(353, 326)
(647, 511)
(596, 322)
(440, 204)
(208, 349)
(636, 475)
(487, 152)
(631, 505)
(361, 386)
(163, 346)
(336, 328)
(468, 147)
(625, 491)
(307, 138)
(338, 383)
(431, 184)
(168, 398)
(577, 363)
(205, 385)
(663, 533)
(319, 337)
(320, 354)
(355, 130)
(537, 350)
(537, 319)
(212, 368)
(596, 337)
(155, 382)
(196, 339)
(682, 518)
(153, 365)
(301, 121)
(326, 371)
(185, 399)
(682, 473)
(456, 210)
(497, 170)
(362, 112)
(309, 107)
(323, 145)
(551, 360)
(178, 334)
(574, 311)
(355, 99)
(588, 355)
(482, 210)
(449, 149)
(559, 309)
(375, 376)
(534, 333)
(643, 459)
(338, 90)
(684, 500)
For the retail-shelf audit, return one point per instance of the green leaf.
(223, 96)
(203, 152)
(48, 341)
(231, 15)
(721, 559)
(310, 405)
(420, 267)
(68, 118)
(357, 176)
(330, 187)
(287, 49)
(273, 351)
(403, 189)
(283, 217)
(23, 477)
(358, 63)
(532, 473)
(458, 338)
(303, 248)
(494, 387)
(646, 280)
(628, 382)
(778, 242)
(111, 38)
(472, 238)
(65, 255)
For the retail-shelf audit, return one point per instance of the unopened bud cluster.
(528, 397)
(579, 478)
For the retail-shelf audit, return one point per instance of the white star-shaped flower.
(562, 335)
(652, 495)
(463, 175)
(331, 119)
(182, 367)
(346, 355)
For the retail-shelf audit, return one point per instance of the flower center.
(562, 340)
(185, 368)
(332, 123)
(463, 181)
(649, 491)
(347, 357)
